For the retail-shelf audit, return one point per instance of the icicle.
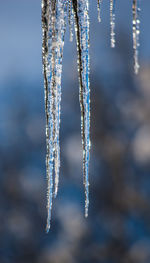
(136, 31)
(99, 3)
(70, 18)
(112, 23)
(53, 24)
(82, 35)
(46, 12)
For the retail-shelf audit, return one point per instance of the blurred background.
(118, 227)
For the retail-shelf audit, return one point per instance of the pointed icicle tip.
(47, 229)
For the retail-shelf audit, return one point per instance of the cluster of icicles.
(54, 16)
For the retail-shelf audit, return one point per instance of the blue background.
(118, 227)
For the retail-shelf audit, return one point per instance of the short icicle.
(112, 23)
(99, 3)
(82, 35)
(136, 32)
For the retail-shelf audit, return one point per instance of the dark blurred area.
(118, 227)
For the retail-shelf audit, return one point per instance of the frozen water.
(136, 32)
(54, 14)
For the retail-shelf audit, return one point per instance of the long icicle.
(112, 23)
(136, 31)
(82, 35)
(47, 56)
(53, 24)
(50, 109)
